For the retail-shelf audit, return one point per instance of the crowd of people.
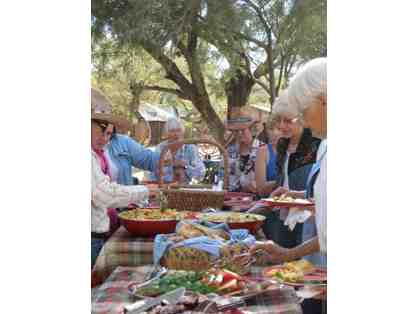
(292, 161)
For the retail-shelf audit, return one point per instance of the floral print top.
(241, 167)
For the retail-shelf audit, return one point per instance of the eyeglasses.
(287, 120)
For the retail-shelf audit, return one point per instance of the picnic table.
(124, 249)
(113, 295)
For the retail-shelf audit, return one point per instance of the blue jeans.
(96, 246)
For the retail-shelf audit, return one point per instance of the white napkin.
(296, 215)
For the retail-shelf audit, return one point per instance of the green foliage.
(133, 39)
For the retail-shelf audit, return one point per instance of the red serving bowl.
(149, 227)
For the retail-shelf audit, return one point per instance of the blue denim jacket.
(127, 153)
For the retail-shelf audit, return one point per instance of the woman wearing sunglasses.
(123, 152)
(106, 194)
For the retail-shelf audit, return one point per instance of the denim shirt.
(126, 153)
(298, 178)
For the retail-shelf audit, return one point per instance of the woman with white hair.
(187, 164)
(308, 94)
(294, 155)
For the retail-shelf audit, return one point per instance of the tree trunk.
(238, 90)
(209, 115)
(195, 91)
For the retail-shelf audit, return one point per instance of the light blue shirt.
(195, 168)
(126, 153)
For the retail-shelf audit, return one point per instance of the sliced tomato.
(229, 275)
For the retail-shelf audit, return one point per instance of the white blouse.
(320, 194)
(105, 194)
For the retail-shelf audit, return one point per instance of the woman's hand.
(279, 191)
(259, 208)
(277, 253)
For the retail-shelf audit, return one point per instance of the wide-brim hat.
(240, 123)
(101, 109)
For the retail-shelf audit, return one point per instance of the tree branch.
(247, 63)
(173, 72)
(238, 34)
(192, 40)
(262, 69)
(177, 92)
(257, 10)
(290, 65)
(249, 38)
(264, 86)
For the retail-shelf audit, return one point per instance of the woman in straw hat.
(106, 194)
(124, 152)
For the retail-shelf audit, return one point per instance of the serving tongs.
(156, 272)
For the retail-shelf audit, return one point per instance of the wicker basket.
(191, 259)
(189, 199)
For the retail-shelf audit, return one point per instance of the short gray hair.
(172, 124)
(281, 107)
(308, 85)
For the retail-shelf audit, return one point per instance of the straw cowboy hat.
(101, 109)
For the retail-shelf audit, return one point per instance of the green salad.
(189, 279)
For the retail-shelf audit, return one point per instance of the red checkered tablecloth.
(122, 249)
(112, 295)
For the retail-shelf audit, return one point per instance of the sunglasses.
(102, 124)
